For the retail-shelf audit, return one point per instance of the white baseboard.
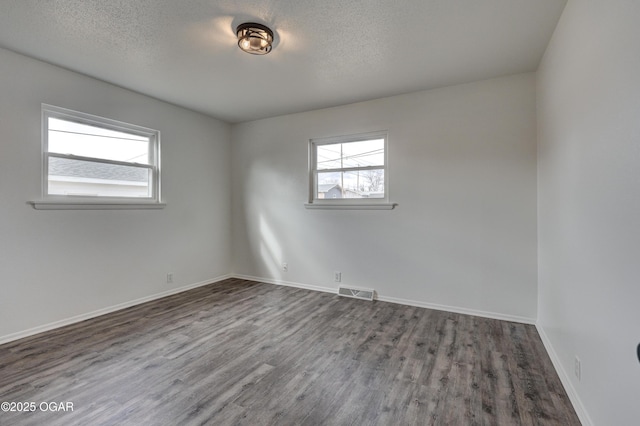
(458, 310)
(466, 311)
(564, 378)
(107, 310)
(285, 283)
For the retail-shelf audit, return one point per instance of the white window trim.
(346, 203)
(79, 202)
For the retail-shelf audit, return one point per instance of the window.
(93, 160)
(349, 172)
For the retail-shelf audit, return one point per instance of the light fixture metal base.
(253, 38)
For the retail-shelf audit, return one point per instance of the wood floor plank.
(246, 353)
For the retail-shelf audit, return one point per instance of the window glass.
(89, 156)
(349, 167)
(68, 137)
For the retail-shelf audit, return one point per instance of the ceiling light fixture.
(254, 38)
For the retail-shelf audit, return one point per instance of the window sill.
(362, 206)
(103, 205)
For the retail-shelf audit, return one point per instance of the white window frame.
(348, 203)
(57, 202)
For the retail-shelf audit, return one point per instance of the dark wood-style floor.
(241, 352)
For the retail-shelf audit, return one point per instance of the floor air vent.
(356, 293)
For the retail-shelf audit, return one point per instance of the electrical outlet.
(169, 278)
(577, 368)
(337, 276)
(285, 267)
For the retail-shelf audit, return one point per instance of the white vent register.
(356, 293)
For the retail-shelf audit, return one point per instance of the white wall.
(59, 264)
(462, 169)
(589, 204)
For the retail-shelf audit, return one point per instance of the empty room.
(319, 212)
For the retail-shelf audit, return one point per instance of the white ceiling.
(327, 52)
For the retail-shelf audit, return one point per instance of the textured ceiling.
(327, 53)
